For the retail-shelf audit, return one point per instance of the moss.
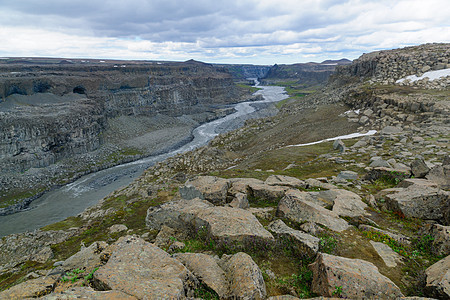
(65, 224)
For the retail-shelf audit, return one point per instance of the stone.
(265, 192)
(312, 228)
(359, 144)
(87, 258)
(166, 237)
(391, 130)
(440, 175)
(345, 203)
(368, 112)
(363, 120)
(213, 189)
(33, 288)
(421, 202)
(306, 244)
(117, 228)
(231, 224)
(339, 145)
(417, 182)
(397, 237)
(283, 180)
(377, 163)
(42, 256)
(241, 185)
(88, 293)
(294, 206)
(207, 270)
(438, 279)
(175, 214)
(246, 280)
(240, 201)
(283, 297)
(348, 175)
(388, 255)
(265, 213)
(143, 270)
(441, 238)
(358, 278)
(419, 168)
(314, 183)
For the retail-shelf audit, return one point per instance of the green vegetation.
(204, 292)
(249, 88)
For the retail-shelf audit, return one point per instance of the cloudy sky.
(228, 31)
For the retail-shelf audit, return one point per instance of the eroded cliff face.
(52, 111)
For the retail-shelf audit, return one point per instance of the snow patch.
(432, 75)
(341, 137)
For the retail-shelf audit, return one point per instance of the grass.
(249, 88)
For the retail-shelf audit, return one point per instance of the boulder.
(294, 206)
(283, 180)
(240, 201)
(345, 203)
(306, 244)
(117, 228)
(241, 185)
(175, 214)
(438, 279)
(391, 130)
(87, 258)
(145, 271)
(211, 188)
(314, 183)
(231, 224)
(379, 163)
(419, 168)
(357, 278)
(348, 175)
(418, 182)
(33, 288)
(441, 238)
(246, 280)
(388, 255)
(88, 293)
(421, 202)
(440, 175)
(339, 145)
(207, 270)
(312, 228)
(265, 192)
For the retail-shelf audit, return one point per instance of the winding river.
(73, 198)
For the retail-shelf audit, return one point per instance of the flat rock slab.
(421, 202)
(345, 203)
(246, 280)
(241, 185)
(207, 270)
(306, 243)
(283, 180)
(30, 289)
(294, 206)
(359, 279)
(88, 293)
(145, 271)
(438, 279)
(388, 255)
(175, 214)
(211, 188)
(265, 192)
(231, 224)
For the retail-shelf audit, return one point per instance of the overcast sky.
(228, 31)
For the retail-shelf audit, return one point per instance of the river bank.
(73, 198)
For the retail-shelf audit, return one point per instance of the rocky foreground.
(247, 217)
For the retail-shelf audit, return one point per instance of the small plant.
(327, 244)
(337, 290)
(89, 276)
(73, 275)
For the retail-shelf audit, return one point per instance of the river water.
(73, 198)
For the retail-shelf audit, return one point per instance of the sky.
(261, 32)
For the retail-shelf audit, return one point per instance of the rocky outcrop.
(356, 279)
(438, 279)
(145, 271)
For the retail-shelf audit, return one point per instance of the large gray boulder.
(241, 185)
(345, 203)
(207, 270)
(143, 270)
(267, 193)
(440, 175)
(357, 278)
(438, 279)
(305, 243)
(175, 214)
(421, 202)
(246, 280)
(419, 168)
(33, 288)
(87, 258)
(294, 206)
(283, 180)
(231, 224)
(211, 188)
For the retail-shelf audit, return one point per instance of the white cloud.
(251, 31)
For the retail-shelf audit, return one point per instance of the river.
(75, 197)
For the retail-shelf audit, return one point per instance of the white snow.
(432, 75)
(342, 137)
